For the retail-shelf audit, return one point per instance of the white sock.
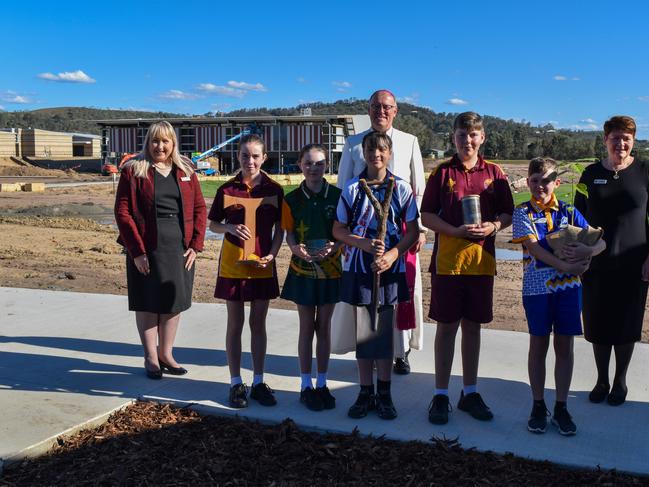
(306, 381)
(235, 380)
(321, 381)
(470, 389)
(443, 392)
(257, 379)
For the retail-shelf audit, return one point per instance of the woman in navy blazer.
(161, 216)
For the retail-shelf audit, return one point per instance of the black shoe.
(328, 401)
(311, 399)
(599, 393)
(475, 406)
(438, 409)
(538, 421)
(563, 421)
(153, 374)
(617, 396)
(172, 370)
(401, 365)
(238, 397)
(385, 407)
(263, 394)
(364, 402)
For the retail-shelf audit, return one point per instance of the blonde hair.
(142, 163)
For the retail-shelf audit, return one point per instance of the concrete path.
(67, 359)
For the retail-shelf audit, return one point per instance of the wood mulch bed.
(160, 444)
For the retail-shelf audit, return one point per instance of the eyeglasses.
(316, 164)
(378, 106)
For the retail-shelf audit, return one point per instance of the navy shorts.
(559, 312)
(456, 297)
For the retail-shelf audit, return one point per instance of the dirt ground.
(61, 239)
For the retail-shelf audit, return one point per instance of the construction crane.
(205, 166)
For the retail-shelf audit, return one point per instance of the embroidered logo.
(488, 182)
(451, 185)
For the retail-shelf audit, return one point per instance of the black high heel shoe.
(164, 367)
(153, 374)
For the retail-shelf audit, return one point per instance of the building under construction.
(284, 137)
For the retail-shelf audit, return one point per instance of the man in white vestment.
(407, 164)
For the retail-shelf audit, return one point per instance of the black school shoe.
(617, 396)
(365, 402)
(311, 399)
(385, 407)
(438, 409)
(475, 406)
(328, 401)
(238, 399)
(401, 365)
(263, 394)
(538, 421)
(165, 367)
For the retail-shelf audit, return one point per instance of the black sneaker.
(328, 401)
(364, 402)
(385, 407)
(311, 399)
(538, 418)
(238, 397)
(263, 394)
(564, 422)
(438, 409)
(475, 406)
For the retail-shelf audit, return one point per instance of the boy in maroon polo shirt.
(464, 260)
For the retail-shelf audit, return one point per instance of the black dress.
(614, 295)
(168, 287)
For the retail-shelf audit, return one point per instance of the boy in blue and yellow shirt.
(551, 289)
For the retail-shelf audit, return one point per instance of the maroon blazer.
(135, 212)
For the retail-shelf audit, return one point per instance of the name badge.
(185, 178)
(600, 181)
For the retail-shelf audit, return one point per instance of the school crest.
(488, 182)
(450, 184)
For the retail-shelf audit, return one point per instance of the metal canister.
(471, 210)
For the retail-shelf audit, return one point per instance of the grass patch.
(209, 188)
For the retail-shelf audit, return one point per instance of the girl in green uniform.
(313, 278)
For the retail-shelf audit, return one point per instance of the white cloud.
(587, 120)
(242, 85)
(178, 95)
(68, 77)
(1, 107)
(413, 99)
(587, 126)
(14, 98)
(222, 90)
(301, 79)
(342, 84)
(575, 78)
(559, 77)
(643, 98)
(221, 107)
(456, 101)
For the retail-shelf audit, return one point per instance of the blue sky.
(569, 63)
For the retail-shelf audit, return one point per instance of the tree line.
(506, 139)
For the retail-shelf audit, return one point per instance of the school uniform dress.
(310, 216)
(551, 298)
(614, 293)
(406, 163)
(160, 216)
(356, 211)
(237, 281)
(472, 260)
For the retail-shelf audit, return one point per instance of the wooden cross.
(381, 210)
(250, 206)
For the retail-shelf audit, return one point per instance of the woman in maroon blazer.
(161, 216)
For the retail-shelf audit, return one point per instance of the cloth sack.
(587, 236)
